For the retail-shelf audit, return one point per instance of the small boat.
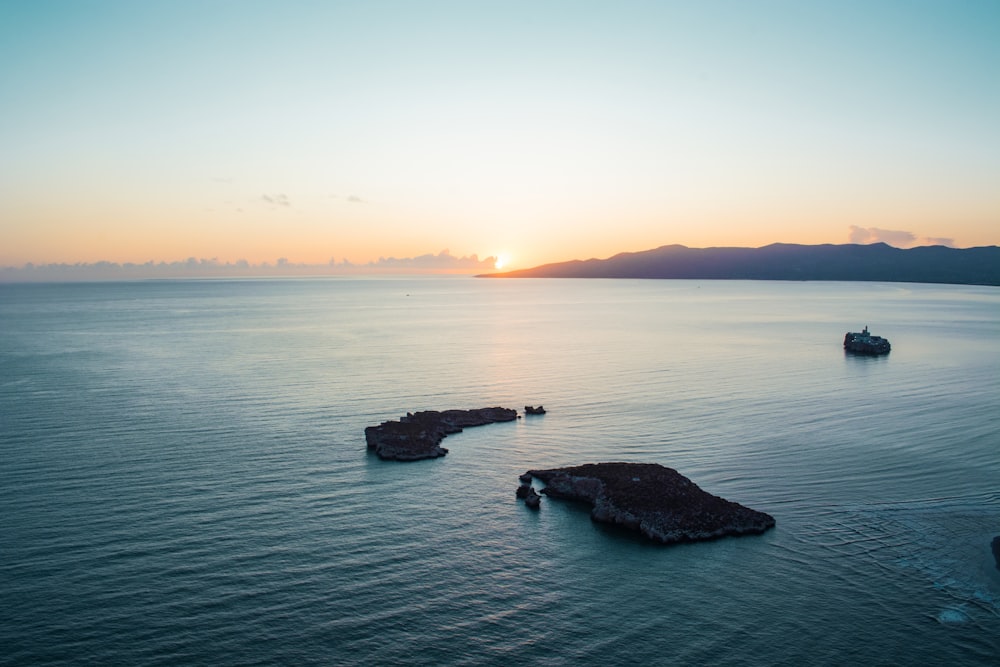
(531, 410)
(865, 343)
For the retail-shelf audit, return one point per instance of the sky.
(473, 133)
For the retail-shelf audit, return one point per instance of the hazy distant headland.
(442, 262)
(782, 261)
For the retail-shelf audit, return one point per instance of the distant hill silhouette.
(784, 261)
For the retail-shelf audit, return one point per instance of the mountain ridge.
(876, 262)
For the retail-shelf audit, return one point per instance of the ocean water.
(184, 478)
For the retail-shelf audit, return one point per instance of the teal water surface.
(184, 478)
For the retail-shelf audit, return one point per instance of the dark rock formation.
(530, 410)
(659, 502)
(419, 435)
(865, 343)
(527, 493)
(995, 545)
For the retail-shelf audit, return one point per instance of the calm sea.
(184, 478)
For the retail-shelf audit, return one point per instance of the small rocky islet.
(657, 501)
(418, 435)
(864, 342)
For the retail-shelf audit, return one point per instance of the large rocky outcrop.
(659, 502)
(418, 435)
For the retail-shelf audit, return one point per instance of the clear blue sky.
(541, 131)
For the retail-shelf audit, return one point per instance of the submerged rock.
(995, 545)
(659, 502)
(419, 435)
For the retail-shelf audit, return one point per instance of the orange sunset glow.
(158, 132)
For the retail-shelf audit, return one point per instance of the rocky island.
(418, 435)
(659, 502)
(864, 342)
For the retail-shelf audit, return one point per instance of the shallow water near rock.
(185, 479)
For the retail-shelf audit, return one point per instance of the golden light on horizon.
(589, 140)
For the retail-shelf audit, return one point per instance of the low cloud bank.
(894, 237)
(443, 262)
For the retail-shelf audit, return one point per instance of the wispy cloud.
(896, 238)
(892, 237)
(351, 199)
(279, 199)
(938, 240)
